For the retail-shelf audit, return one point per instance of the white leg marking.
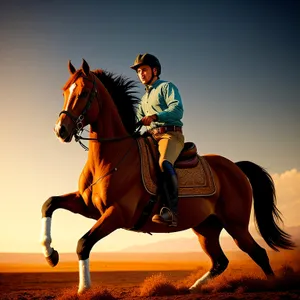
(204, 279)
(84, 276)
(45, 238)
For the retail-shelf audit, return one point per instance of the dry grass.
(232, 281)
(156, 285)
(237, 282)
(97, 293)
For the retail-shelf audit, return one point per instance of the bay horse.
(111, 191)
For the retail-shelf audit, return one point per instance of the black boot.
(168, 215)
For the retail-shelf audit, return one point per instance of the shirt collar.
(148, 88)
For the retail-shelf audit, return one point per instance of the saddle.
(193, 172)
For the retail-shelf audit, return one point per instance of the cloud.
(287, 187)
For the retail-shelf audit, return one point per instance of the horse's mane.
(122, 91)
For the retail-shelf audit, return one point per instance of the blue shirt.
(163, 99)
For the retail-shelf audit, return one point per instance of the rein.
(78, 137)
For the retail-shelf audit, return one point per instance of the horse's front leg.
(111, 220)
(72, 202)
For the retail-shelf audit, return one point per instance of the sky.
(236, 64)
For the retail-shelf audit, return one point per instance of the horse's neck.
(106, 156)
(106, 129)
(109, 123)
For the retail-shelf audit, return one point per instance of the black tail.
(267, 215)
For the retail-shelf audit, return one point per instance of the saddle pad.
(192, 182)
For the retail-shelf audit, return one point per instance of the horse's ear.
(72, 69)
(85, 67)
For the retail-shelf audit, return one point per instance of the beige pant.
(170, 145)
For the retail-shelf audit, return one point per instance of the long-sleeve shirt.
(163, 99)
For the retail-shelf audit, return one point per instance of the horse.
(111, 191)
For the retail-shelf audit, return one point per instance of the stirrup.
(158, 218)
(168, 210)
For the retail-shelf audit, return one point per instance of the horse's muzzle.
(62, 133)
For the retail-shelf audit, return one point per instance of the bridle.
(80, 120)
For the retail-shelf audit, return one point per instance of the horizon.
(191, 245)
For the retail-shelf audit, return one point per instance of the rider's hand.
(148, 120)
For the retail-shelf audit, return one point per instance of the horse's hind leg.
(208, 233)
(246, 243)
(72, 202)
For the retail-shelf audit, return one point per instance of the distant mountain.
(192, 245)
(172, 249)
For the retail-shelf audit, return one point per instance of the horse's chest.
(100, 203)
(98, 191)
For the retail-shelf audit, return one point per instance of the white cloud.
(287, 187)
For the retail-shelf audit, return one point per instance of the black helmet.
(147, 59)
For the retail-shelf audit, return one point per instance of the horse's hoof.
(53, 258)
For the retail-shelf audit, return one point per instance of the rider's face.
(144, 73)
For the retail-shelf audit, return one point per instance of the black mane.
(122, 92)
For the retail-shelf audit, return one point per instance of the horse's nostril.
(62, 132)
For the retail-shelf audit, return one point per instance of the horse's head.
(80, 106)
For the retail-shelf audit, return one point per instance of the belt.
(165, 129)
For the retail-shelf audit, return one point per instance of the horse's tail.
(267, 215)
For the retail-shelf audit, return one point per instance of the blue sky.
(236, 64)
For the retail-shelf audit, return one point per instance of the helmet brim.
(135, 67)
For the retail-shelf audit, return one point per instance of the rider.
(161, 110)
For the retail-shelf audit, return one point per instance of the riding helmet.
(146, 59)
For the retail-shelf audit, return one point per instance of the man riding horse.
(161, 110)
(111, 192)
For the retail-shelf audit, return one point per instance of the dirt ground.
(119, 285)
(242, 280)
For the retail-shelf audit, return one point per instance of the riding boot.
(168, 215)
